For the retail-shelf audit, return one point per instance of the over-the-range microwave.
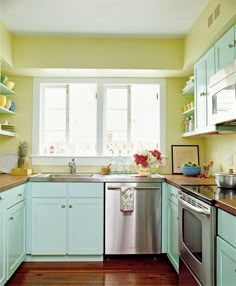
(222, 95)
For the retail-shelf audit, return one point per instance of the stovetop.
(209, 193)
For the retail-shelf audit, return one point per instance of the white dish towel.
(127, 199)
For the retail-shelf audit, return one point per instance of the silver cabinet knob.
(11, 218)
(232, 45)
(202, 93)
(0, 198)
(19, 195)
(63, 206)
(70, 206)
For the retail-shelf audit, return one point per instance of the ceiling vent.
(217, 11)
(210, 20)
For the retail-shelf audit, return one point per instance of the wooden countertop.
(228, 205)
(179, 180)
(7, 181)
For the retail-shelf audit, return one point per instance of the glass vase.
(144, 171)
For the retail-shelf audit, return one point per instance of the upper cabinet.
(203, 70)
(225, 49)
(222, 53)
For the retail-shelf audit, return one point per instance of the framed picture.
(181, 154)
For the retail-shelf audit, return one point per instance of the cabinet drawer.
(173, 193)
(15, 195)
(48, 190)
(85, 190)
(227, 227)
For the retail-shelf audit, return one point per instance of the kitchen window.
(91, 119)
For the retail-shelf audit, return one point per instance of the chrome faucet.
(72, 166)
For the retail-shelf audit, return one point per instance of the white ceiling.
(127, 18)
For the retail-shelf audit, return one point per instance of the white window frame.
(99, 159)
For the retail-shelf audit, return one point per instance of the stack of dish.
(3, 100)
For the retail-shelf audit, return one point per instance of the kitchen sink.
(70, 175)
(61, 177)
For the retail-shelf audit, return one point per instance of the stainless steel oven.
(222, 92)
(197, 232)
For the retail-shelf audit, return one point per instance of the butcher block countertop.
(180, 180)
(229, 205)
(8, 181)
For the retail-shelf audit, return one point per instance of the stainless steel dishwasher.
(132, 218)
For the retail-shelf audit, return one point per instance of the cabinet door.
(2, 241)
(200, 94)
(203, 70)
(85, 226)
(226, 263)
(49, 226)
(173, 251)
(15, 237)
(224, 52)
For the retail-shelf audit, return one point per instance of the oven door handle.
(193, 208)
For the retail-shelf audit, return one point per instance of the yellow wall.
(5, 45)
(110, 53)
(218, 147)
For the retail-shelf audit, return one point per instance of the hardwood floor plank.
(115, 271)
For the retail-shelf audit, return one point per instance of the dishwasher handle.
(147, 188)
(135, 188)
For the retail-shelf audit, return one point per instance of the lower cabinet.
(172, 244)
(67, 219)
(3, 276)
(226, 249)
(12, 231)
(226, 263)
(15, 237)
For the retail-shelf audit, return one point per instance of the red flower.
(156, 154)
(141, 159)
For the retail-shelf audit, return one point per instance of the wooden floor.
(115, 271)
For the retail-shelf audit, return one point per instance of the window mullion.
(129, 115)
(67, 117)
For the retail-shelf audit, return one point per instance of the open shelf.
(7, 133)
(5, 90)
(188, 89)
(4, 111)
(188, 112)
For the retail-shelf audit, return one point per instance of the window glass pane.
(53, 120)
(116, 98)
(69, 117)
(116, 120)
(144, 116)
(83, 119)
(116, 117)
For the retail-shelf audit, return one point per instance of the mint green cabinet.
(226, 263)
(226, 249)
(49, 226)
(172, 245)
(203, 70)
(2, 240)
(67, 219)
(225, 48)
(15, 237)
(85, 231)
